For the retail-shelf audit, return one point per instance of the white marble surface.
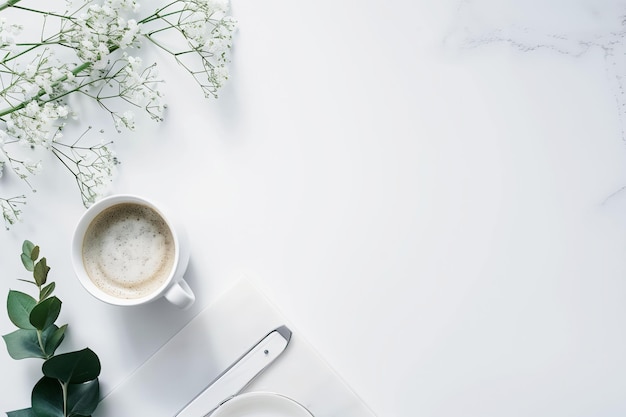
(431, 191)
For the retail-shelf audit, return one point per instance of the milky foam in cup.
(127, 252)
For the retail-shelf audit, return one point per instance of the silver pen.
(239, 375)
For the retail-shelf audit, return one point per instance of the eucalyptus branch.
(38, 337)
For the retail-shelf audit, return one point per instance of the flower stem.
(23, 104)
(80, 68)
(27, 9)
(8, 3)
(157, 14)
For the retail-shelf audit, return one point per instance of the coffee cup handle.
(180, 294)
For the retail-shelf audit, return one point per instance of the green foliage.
(23, 344)
(45, 313)
(19, 306)
(27, 412)
(46, 291)
(74, 367)
(69, 386)
(48, 399)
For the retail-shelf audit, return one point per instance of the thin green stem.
(33, 46)
(8, 3)
(23, 104)
(157, 15)
(26, 9)
(159, 44)
(64, 389)
(41, 346)
(80, 68)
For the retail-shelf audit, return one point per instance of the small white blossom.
(218, 5)
(32, 166)
(44, 82)
(30, 71)
(220, 75)
(8, 33)
(129, 34)
(56, 73)
(127, 120)
(62, 111)
(32, 109)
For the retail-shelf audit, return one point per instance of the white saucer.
(261, 404)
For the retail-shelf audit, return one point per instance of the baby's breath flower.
(99, 42)
(219, 75)
(10, 209)
(219, 6)
(126, 119)
(8, 33)
(30, 71)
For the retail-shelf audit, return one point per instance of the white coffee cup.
(127, 251)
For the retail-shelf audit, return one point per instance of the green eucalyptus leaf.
(28, 263)
(41, 271)
(34, 254)
(73, 367)
(82, 399)
(26, 412)
(45, 313)
(19, 307)
(47, 398)
(53, 336)
(46, 291)
(23, 344)
(27, 247)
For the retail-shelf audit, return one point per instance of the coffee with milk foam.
(128, 251)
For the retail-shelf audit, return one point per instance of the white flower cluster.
(101, 30)
(218, 44)
(208, 34)
(102, 40)
(34, 124)
(195, 21)
(93, 167)
(31, 96)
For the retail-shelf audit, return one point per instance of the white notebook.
(211, 342)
